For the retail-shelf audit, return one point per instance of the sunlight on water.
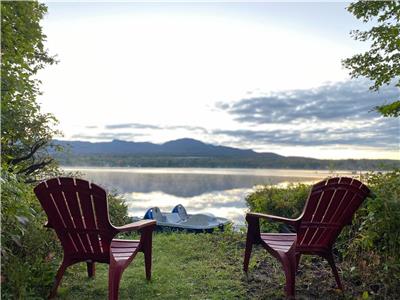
(221, 192)
(229, 204)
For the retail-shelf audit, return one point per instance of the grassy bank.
(205, 266)
(208, 266)
(185, 266)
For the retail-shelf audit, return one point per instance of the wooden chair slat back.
(78, 212)
(330, 206)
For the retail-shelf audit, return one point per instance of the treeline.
(103, 160)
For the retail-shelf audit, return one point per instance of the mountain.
(180, 147)
(190, 153)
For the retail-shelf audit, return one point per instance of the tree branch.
(32, 152)
(32, 168)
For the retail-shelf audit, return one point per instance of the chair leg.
(147, 242)
(147, 251)
(91, 269)
(58, 278)
(331, 261)
(247, 253)
(253, 236)
(289, 267)
(114, 278)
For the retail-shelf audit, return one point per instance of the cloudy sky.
(266, 76)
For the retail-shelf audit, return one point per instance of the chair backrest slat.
(85, 198)
(330, 206)
(78, 212)
(55, 217)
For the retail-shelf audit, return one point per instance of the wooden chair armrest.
(292, 222)
(136, 225)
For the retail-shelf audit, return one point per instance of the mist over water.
(221, 192)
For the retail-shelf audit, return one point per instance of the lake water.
(221, 192)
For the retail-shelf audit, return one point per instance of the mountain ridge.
(191, 153)
(178, 147)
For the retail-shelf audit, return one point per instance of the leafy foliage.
(375, 236)
(382, 62)
(118, 209)
(286, 202)
(28, 250)
(26, 132)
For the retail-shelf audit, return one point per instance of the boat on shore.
(179, 219)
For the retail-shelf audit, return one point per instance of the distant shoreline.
(219, 171)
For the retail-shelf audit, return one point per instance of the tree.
(381, 63)
(26, 132)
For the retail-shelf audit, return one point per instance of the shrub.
(375, 236)
(28, 250)
(286, 202)
(118, 209)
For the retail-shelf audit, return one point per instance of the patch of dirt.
(314, 280)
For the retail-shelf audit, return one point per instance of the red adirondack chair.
(78, 212)
(330, 206)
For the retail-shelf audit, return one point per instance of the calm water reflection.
(218, 191)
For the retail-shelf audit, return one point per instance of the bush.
(375, 236)
(118, 210)
(28, 250)
(285, 202)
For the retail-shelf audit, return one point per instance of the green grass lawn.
(204, 266)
